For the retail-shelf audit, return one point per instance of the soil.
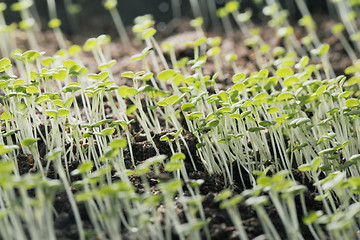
(220, 224)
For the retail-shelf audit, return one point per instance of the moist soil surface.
(220, 224)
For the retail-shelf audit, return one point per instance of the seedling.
(28, 22)
(111, 5)
(267, 133)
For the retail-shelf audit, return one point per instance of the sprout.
(254, 128)
(5, 64)
(111, 5)
(55, 24)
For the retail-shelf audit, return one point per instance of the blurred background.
(92, 15)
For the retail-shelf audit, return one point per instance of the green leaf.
(6, 116)
(87, 134)
(74, 49)
(260, 96)
(32, 54)
(305, 167)
(194, 115)
(177, 156)
(221, 12)
(107, 65)
(156, 159)
(198, 64)
(29, 141)
(148, 33)
(300, 146)
(352, 102)
(321, 50)
(256, 129)
(63, 112)
(272, 81)
(354, 181)
(90, 44)
(58, 102)
(178, 132)
(235, 116)
(172, 99)
(267, 123)
(173, 166)
(102, 76)
(128, 75)
(170, 186)
(166, 75)
(131, 109)
(136, 57)
(312, 217)
(5, 63)
(69, 64)
(199, 41)
(316, 163)
(187, 107)
(84, 196)
(224, 96)
(197, 22)
(284, 72)
(110, 153)
(6, 167)
(69, 101)
(185, 89)
(272, 110)
(298, 121)
(245, 114)
(200, 145)
(232, 202)
(107, 131)
(2, 7)
(290, 81)
(238, 77)
(60, 75)
(285, 96)
(232, 6)
(54, 23)
(224, 110)
(71, 87)
(118, 143)
(257, 201)
(327, 151)
(224, 194)
(4, 149)
(54, 154)
(304, 61)
(320, 90)
(213, 51)
(345, 94)
(239, 87)
(85, 167)
(210, 116)
(32, 90)
(337, 28)
(165, 138)
(9, 133)
(264, 73)
(131, 91)
(110, 4)
(312, 166)
(213, 123)
(280, 120)
(52, 113)
(162, 103)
